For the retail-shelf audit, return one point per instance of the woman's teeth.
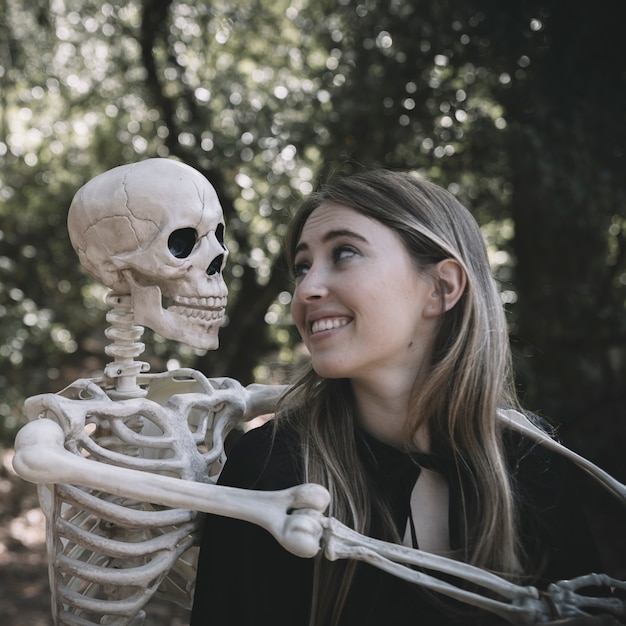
(328, 324)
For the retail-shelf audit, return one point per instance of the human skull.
(155, 229)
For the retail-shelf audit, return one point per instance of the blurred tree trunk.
(567, 145)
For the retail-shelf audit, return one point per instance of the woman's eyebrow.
(333, 234)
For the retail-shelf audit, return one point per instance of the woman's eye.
(344, 252)
(300, 269)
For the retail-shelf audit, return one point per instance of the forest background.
(518, 108)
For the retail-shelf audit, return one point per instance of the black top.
(245, 578)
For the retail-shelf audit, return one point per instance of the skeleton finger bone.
(569, 603)
(41, 458)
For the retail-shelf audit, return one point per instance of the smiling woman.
(396, 414)
(366, 310)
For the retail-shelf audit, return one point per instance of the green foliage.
(502, 105)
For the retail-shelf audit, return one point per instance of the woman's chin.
(329, 370)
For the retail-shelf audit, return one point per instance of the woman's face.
(362, 307)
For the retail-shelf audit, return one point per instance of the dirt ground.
(24, 590)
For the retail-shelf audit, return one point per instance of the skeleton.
(124, 462)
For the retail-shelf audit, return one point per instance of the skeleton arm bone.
(520, 604)
(41, 458)
(517, 421)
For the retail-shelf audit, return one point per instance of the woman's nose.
(312, 285)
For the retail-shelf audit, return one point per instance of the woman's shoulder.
(263, 458)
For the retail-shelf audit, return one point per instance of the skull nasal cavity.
(181, 242)
(216, 265)
(219, 235)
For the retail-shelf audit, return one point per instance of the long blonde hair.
(468, 379)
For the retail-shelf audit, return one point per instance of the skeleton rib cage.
(109, 554)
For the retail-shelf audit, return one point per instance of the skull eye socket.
(181, 242)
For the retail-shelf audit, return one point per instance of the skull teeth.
(212, 303)
(200, 309)
(205, 315)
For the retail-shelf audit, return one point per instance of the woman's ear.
(449, 282)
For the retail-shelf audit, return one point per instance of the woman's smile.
(328, 323)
